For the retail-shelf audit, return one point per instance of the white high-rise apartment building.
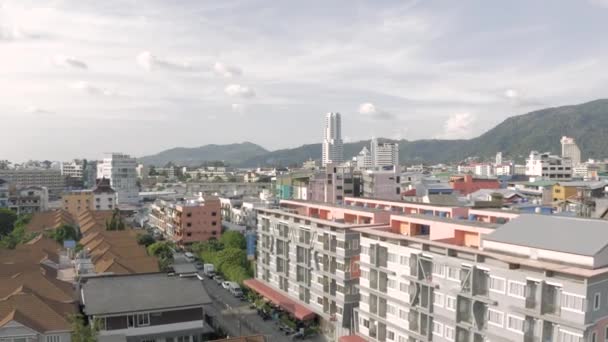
(571, 150)
(384, 154)
(548, 166)
(120, 169)
(333, 146)
(72, 169)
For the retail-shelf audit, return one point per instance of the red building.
(467, 184)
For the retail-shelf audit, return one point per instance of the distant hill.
(515, 137)
(233, 154)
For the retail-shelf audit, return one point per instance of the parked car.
(199, 265)
(189, 256)
(226, 285)
(218, 279)
(235, 289)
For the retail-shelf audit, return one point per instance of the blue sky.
(79, 78)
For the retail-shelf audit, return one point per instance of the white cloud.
(237, 90)
(369, 110)
(90, 89)
(150, 62)
(601, 3)
(238, 108)
(37, 110)
(458, 126)
(228, 71)
(66, 61)
(511, 93)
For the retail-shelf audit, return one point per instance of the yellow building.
(103, 197)
(565, 191)
(76, 202)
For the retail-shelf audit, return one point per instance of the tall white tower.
(384, 154)
(333, 146)
(120, 169)
(571, 150)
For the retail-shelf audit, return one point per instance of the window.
(606, 335)
(53, 338)
(438, 270)
(143, 319)
(188, 214)
(320, 300)
(597, 301)
(449, 333)
(437, 328)
(365, 250)
(497, 284)
(572, 302)
(403, 287)
(365, 274)
(213, 223)
(403, 315)
(450, 303)
(130, 321)
(366, 323)
(213, 213)
(515, 323)
(391, 309)
(391, 335)
(392, 284)
(594, 337)
(392, 257)
(517, 289)
(567, 336)
(404, 260)
(453, 273)
(189, 224)
(438, 299)
(496, 317)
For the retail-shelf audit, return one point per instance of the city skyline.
(139, 71)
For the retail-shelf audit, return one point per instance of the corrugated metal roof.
(563, 234)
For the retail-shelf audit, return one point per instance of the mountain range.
(516, 136)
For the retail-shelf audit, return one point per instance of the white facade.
(72, 169)
(498, 158)
(485, 170)
(364, 159)
(571, 150)
(384, 154)
(333, 146)
(547, 166)
(120, 169)
(504, 170)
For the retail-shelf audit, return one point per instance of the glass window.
(143, 319)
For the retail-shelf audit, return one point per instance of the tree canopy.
(7, 221)
(65, 232)
(233, 239)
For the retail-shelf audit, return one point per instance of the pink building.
(188, 221)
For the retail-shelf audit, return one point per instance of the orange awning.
(299, 311)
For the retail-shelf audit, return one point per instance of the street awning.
(299, 311)
(352, 338)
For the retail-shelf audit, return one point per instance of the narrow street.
(237, 319)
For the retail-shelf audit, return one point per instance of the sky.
(79, 78)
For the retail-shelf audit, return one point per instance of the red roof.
(298, 310)
(352, 338)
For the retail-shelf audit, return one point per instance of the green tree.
(152, 171)
(115, 222)
(7, 221)
(82, 332)
(145, 239)
(65, 232)
(233, 239)
(163, 251)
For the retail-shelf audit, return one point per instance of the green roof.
(540, 183)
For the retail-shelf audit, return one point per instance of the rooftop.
(140, 292)
(563, 234)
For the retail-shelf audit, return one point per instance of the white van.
(235, 289)
(189, 256)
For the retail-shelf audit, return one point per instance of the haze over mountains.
(515, 137)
